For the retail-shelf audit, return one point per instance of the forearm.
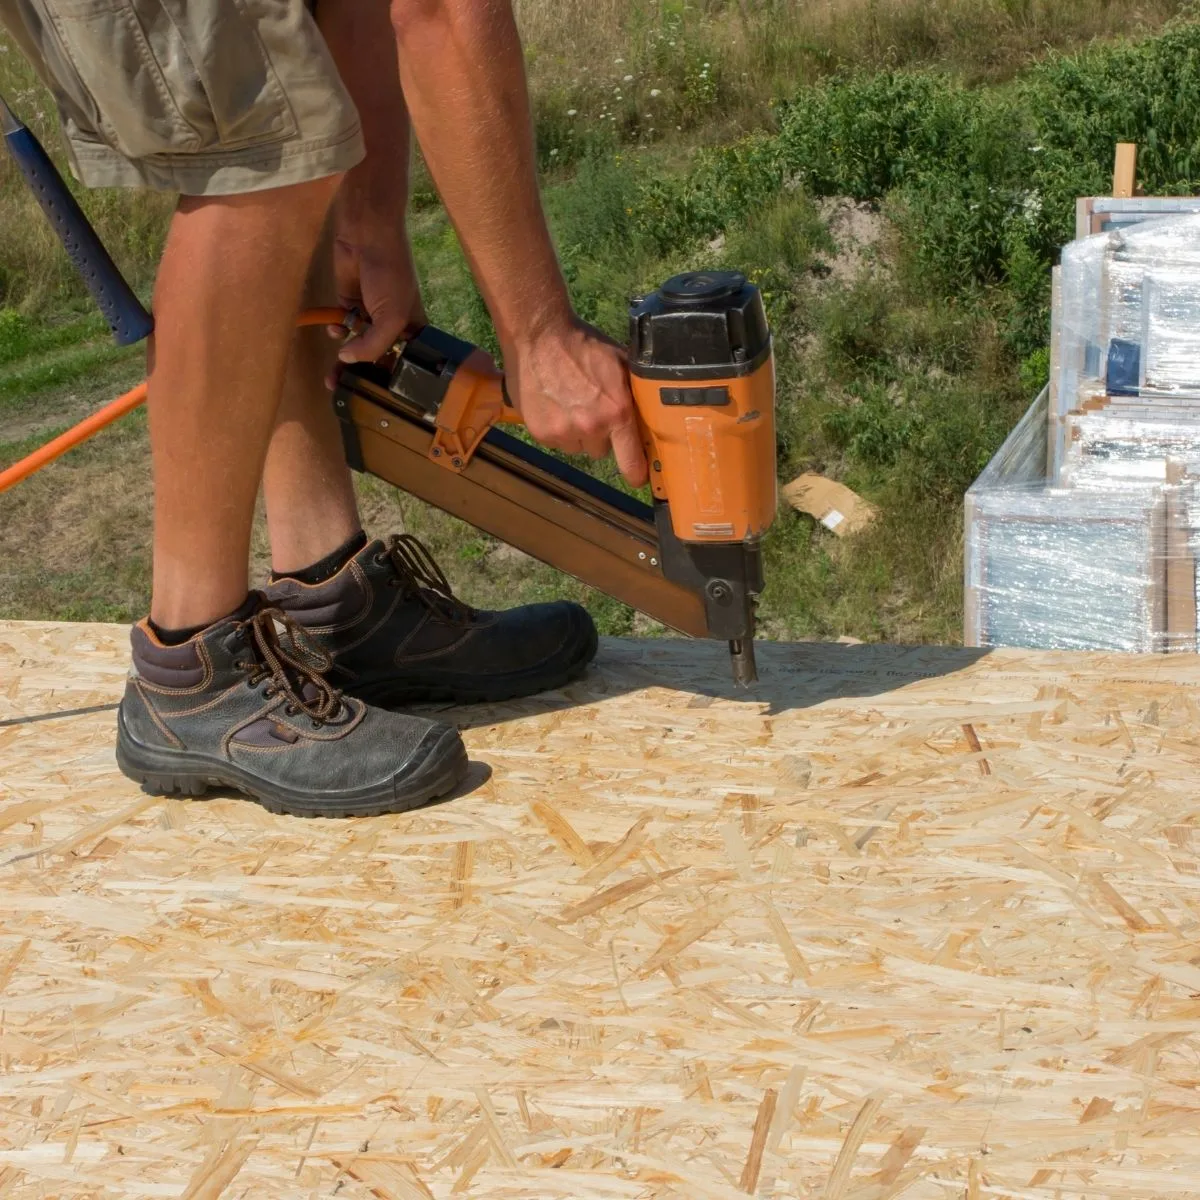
(360, 38)
(463, 75)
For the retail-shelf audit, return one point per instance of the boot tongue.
(337, 601)
(231, 632)
(423, 580)
(310, 694)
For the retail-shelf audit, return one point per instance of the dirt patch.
(73, 408)
(60, 408)
(859, 232)
(75, 539)
(503, 554)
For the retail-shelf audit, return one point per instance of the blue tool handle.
(123, 311)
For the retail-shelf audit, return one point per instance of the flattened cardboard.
(836, 506)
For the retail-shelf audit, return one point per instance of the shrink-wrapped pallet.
(1125, 445)
(1083, 531)
(1061, 568)
(1127, 313)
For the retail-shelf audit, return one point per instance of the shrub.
(861, 135)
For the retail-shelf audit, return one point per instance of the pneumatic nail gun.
(703, 382)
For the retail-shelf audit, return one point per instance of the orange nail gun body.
(703, 381)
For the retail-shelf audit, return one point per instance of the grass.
(896, 176)
(21, 387)
(711, 70)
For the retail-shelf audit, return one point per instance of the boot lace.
(422, 579)
(284, 653)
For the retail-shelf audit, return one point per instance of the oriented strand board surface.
(903, 922)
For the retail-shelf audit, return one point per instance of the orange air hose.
(116, 409)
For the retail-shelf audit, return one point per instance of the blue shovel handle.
(123, 311)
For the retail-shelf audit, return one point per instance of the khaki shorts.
(204, 97)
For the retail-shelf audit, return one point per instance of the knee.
(296, 211)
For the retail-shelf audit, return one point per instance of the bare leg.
(311, 509)
(225, 305)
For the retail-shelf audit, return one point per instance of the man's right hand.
(570, 384)
(463, 72)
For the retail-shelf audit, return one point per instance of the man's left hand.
(375, 273)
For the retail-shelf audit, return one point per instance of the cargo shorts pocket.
(170, 76)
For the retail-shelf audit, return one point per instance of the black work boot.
(245, 704)
(397, 634)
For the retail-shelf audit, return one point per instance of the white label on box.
(832, 519)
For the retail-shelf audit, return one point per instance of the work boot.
(397, 633)
(246, 704)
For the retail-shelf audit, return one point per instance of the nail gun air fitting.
(703, 382)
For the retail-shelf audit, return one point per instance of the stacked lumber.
(901, 922)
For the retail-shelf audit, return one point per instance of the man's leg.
(225, 306)
(311, 509)
(373, 605)
(243, 701)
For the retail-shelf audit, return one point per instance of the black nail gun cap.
(699, 325)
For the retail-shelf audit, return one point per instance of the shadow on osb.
(792, 676)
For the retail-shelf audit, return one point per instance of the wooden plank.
(1054, 445)
(1083, 217)
(1180, 566)
(998, 985)
(1125, 171)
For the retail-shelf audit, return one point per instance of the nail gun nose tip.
(741, 656)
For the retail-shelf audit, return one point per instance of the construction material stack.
(1082, 531)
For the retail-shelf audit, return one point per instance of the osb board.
(901, 922)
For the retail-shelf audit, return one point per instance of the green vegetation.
(897, 178)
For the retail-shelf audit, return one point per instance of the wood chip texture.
(682, 942)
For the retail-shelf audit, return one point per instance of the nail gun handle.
(509, 415)
(126, 316)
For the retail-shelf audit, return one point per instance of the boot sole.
(177, 772)
(516, 685)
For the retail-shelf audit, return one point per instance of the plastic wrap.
(1171, 331)
(1129, 315)
(1128, 445)
(1083, 531)
(1180, 544)
(1102, 213)
(1057, 568)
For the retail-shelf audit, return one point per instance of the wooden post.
(1083, 217)
(1125, 171)
(1180, 566)
(1054, 410)
(973, 554)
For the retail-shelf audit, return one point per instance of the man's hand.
(374, 270)
(571, 386)
(373, 261)
(463, 76)
(463, 73)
